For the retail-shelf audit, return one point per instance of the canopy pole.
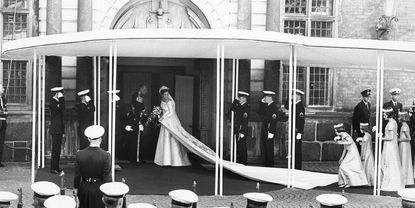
(290, 81)
(94, 62)
(376, 173)
(43, 108)
(39, 112)
(98, 107)
(380, 128)
(233, 113)
(217, 119)
(293, 117)
(110, 98)
(34, 115)
(114, 111)
(236, 91)
(222, 92)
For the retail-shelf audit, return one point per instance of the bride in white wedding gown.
(169, 151)
(174, 141)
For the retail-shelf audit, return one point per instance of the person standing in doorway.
(270, 115)
(299, 127)
(241, 109)
(85, 110)
(57, 106)
(3, 123)
(134, 125)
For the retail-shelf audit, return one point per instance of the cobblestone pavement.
(16, 175)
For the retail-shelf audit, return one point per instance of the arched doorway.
(180, 75)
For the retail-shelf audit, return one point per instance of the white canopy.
(239, 44)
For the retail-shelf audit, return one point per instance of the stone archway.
(205, 8)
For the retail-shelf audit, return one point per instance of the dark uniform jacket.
(56, 116)
(85, 114)
(361, 114)
(241, 117)
(138, 108)
(270, 115)
(92, 169)
(3, 109)
(396, 109)
(299, 117)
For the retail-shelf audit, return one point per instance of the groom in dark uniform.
(270, 115)
(241, 109)
(395, 105)
(92, 169)
(85, 110)
(361, 113)
(57, 106)
(299, 127)
(134, 125)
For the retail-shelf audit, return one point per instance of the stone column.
(53, 26)
(272, 67)
(84, 66)
(244, 17)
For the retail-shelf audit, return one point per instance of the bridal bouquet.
(156, 113)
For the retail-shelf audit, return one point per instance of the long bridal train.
(301, 179)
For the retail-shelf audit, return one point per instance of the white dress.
(351, 170)
(391, 174)
(367, 158)
(406, 156)
(169, 151)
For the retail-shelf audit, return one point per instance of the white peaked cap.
(243, 93)
(6, 196)
(45, 188)
(56, 89)
(83, 92)
(395, 91)
(331, 199)
(114, 189)
(141, 205)
(258, 197)
(299, 92)
(94, 131)
(60, 201)
(407, 194)
(184, 196)
(267, 92)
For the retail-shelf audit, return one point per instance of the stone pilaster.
(244, 19)
(84, 66)
(272, 67)
(53, 26)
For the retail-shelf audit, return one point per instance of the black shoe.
(55, 171)
(2, 166)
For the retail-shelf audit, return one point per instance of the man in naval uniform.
(361, 113)
(241, 109)
(6, 198)
(85, 111)
(3, 123)
(257, 200)
(57, 107)
(114, 194)
(134, 125)
(299, 127)
(395, 105)
(182, 198)
(92, 169)
(270, 115)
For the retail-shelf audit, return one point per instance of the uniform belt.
(92, 180)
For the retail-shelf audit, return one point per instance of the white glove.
(298, 136)
(359, 139)
(263, 100)
(336, 138)
(270, 135)
(60, 95)
(87, 98)
(128, 128)
(373, 128)
(140, 127)
(241, 135)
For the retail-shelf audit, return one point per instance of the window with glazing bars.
(14, 81)
(295, 27)
(319, 86)
(301, 80)
(295, 6)
(18, 4)
(14, 26)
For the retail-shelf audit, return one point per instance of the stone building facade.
(331, 93)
